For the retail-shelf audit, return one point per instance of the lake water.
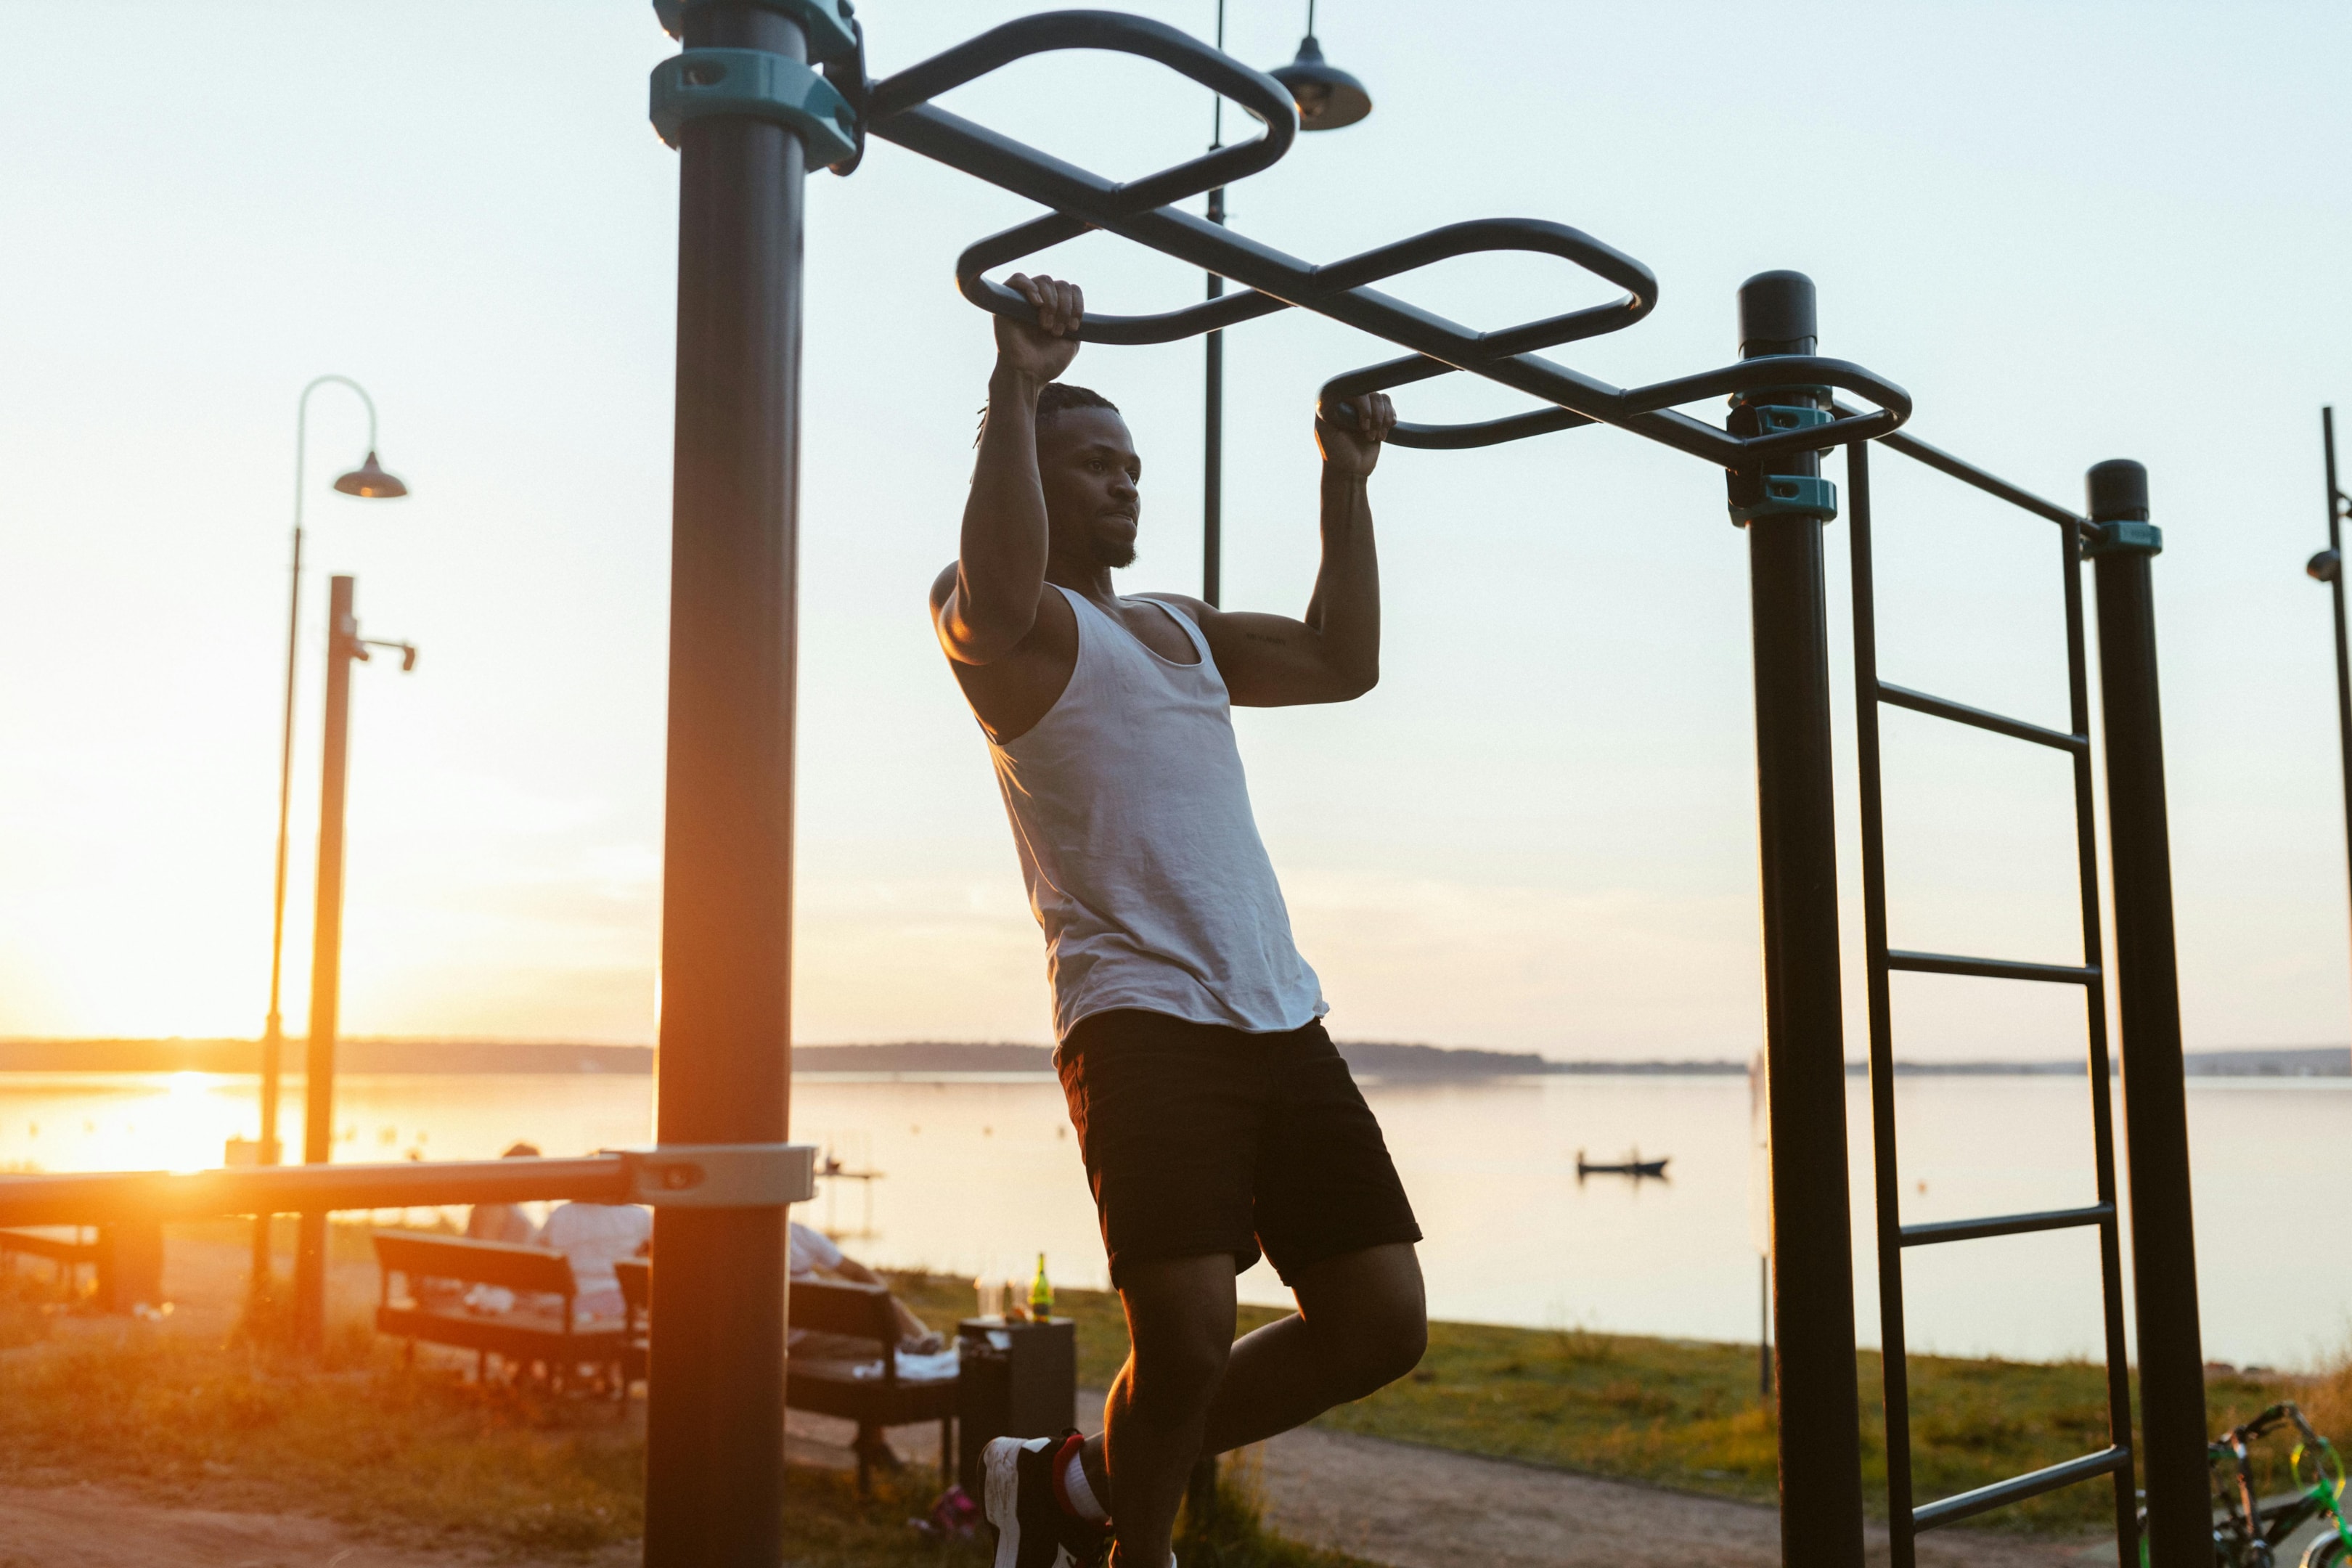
(981, 1172)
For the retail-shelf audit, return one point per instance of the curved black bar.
(1265, 99)
(1098, 327)
(1486, 432)
(1080, 199)
(1748, 375)
(1536, 235)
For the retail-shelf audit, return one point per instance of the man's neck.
(1088, 579)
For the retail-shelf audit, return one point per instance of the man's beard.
(1113, 553)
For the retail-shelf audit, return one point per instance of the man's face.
(1089, 470)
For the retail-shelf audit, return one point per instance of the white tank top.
(1143, 862)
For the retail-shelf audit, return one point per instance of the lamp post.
(345, 648)
(369, 482)
(2327, 567)
(1328, 99)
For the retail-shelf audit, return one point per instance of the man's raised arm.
(987, 602)
(1334, 654)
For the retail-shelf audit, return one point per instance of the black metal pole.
(1213, 445)
(326, 962)
(715, 1440)
(2335, 591)
(2148, 994)
(1812, 1261)
(1212, 435)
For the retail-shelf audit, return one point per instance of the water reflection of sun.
(188, 1127)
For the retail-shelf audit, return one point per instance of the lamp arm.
(302, 430)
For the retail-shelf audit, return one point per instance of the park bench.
(541, 1330)
(127, 1258)
(868, 1390)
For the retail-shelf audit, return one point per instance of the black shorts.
(1201, 1138)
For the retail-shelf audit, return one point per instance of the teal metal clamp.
(2125, 537)
(1755, 495)
(826, 24)
(696, 83)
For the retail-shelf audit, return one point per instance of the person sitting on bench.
(814, 1256)
(595, 1237)
(504, 1222)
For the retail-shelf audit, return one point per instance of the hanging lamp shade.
(1327, 97)
(370, 481)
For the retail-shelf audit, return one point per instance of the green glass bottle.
(1041, 1293)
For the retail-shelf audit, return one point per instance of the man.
(1214, 1116)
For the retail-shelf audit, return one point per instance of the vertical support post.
(1812, 1261)
(715, 1440)
(2148, 994)
(326, 962)
(2335, 579)
(1213, 445)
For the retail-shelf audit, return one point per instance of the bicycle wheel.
(2327, 1551)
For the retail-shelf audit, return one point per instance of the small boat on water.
(1632, 1166)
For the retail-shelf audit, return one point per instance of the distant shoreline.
(1387, 1061)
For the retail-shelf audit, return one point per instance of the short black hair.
(1057, 396)
(1053, 398)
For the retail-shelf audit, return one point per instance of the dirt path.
(96, 1527)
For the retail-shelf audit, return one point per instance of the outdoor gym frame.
(747, 113)
(751, 119)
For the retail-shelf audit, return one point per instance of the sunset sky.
(2071, 231)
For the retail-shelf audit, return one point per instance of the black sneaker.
(1019, 1500)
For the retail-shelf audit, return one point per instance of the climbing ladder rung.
(2005, 1225)
(2017, 1488)
(1990, 968)
(1962, 713)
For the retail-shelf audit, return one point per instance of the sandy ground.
(1389, 1502)
(92, 1527)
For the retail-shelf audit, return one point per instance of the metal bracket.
(1755, 495)
(824, 23)
(1782, 495)
(2124, 537)
(694, 83)
(721, 1176)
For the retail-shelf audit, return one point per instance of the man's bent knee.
(1179, 1316)
(1179, 1373)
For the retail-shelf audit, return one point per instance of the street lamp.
(1328, 98)
(2327, 567)
(368, 481)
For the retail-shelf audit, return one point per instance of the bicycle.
(2247, 1529)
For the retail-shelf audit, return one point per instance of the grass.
(1686, 1414)
(422, 1453)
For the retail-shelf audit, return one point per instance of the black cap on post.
(1776, 315)
(2118, 491)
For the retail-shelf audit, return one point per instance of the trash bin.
(1013, 1380)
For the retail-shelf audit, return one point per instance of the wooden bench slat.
(422, 1255)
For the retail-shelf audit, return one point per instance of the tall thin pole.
(326, 959)
(1212, 439)
(2335, 589)
(273, 1034)
(715, 1433)
(1804, 1025)
(2148, 1004)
